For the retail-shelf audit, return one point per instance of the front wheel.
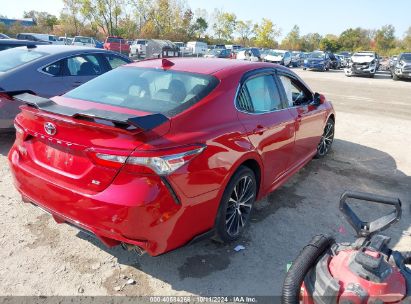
(326, 139)
(236, 205)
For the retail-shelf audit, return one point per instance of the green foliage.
(330, 44)
(224, 25)
(385, 38)
(293, 40)
(266, 33)
(245, 30)
(310, 42)
(355, 39)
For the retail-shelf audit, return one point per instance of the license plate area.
(59, 157)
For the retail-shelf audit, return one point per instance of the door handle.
(259, 129)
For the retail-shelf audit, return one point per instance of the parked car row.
(56, 69)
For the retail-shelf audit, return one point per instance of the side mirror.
(319, 99)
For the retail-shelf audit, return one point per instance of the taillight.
(162, 162)
(19, 130)
(5, 96)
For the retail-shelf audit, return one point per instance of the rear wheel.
(326, 139)
(236, 205)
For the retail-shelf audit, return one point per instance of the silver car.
(48, 70)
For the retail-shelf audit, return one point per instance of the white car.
(66, 40)
(84, 41)
(278, 56)
(362, 64)
(249, 54)
(184, 50)
(197, 47)
(138, 48)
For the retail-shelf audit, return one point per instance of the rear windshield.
(317, 55)
(115, 40)
(82, 39)
(13, 58)
(148, 90)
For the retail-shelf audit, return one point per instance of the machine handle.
(367, 229)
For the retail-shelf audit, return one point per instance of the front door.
(309, 119)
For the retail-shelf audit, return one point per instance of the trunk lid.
(68, 156)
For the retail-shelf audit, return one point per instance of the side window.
(86, 65)
(53, 69)
(294, 91)
(115, 61)
(259, 95)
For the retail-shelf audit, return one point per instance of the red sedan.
(156, 154)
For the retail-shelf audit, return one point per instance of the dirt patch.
(116, 283)
(44, 235)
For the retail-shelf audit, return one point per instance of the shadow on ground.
(281, 225)
(6, 141)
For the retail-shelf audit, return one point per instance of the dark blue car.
(317, 60)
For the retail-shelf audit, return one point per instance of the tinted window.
(115, 61)
(53, 69)
(13, 58)
(87, 65)
(295, 92)
(262, 93)
(115, 40)
(148, 90)
(84, 40)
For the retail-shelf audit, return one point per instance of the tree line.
(174, 20)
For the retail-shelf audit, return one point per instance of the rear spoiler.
(145, 123)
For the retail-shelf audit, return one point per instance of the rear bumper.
(138, 210)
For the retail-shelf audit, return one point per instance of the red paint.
(116, 44)
(131, 205)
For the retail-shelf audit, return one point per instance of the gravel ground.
(371, 153)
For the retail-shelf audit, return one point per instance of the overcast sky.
(322, 16)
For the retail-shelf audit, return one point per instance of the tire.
(372, 75)
(395, 77)
(326, 140)
(304, 69)
(233, 217)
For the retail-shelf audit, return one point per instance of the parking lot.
(371, 153)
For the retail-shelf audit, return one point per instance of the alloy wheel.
(326, 139)
(239, 206)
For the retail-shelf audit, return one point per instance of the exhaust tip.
(129, 247)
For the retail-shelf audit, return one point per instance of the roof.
(201, 65)
(21, 42)
(61, 49)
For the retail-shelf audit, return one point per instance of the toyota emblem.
(50, 128)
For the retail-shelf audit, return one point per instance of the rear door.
(268, 123)
(309, 119)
